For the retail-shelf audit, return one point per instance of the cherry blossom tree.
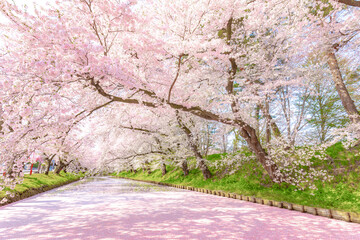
(214, 60)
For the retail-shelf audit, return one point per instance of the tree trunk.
(224, 138)
(67, 166)
(10, 169)
(204, 168)
(147, 167)
(132, 168)
(274, 127)
(236, 140)
(184, 167)
(268, 122)
(163, 168)
(207, 141)
(48, 164)
(246, 131)
(59, 167)
(42, 168)
(268, 133)
(249, 134)
(38, 168)
(345, 97)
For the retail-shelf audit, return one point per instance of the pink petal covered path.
(106, 208)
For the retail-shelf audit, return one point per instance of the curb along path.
(329, 213)
(33, 191)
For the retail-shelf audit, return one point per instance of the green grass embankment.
(341, 193)
(38, 180)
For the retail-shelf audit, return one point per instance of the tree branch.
(135, 155)
(196, 110)
(176, 77)
(352, 3)
(143, 130)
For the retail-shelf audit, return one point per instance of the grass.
(38, 180)
(342, 193)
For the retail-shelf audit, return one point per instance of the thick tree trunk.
(345, 97)
(163, 168)
(249, 134)
(246, 131)
(48, 164)
(184, 167)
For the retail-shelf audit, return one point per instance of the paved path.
(106, 208)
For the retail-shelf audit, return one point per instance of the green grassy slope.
(38, 180)
(342, 193)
